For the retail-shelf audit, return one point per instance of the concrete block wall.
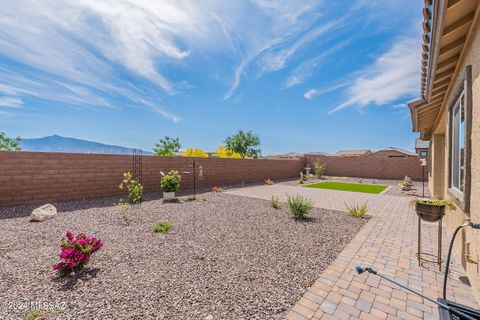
(370, 166)
(39, 177)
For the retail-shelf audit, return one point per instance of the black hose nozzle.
(361, 270)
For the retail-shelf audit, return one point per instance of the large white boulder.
(43, 213)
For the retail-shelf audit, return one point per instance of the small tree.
(132, 187)
(192, 152)
(167, 146)
(319, 170)
(244, 143)
(8, 144)
(224, 152)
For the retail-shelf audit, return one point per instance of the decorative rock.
(43, 213)
(209, 317)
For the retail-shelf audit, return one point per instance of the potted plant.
(406, 184)
(170, 184)
(432, 210)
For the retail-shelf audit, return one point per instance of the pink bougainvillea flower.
(76, 251)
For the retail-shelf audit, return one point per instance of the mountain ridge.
(57, 143)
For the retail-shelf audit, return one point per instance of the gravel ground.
(227, 257)
(394, 190)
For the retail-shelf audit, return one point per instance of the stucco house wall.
(439, 174)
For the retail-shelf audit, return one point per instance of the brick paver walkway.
(388, 243)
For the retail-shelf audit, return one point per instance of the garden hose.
(452, 310)
(447, 267)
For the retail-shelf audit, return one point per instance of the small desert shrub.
(76, 252)
(356, 210)
(319, 170)
(171, 181)
(191, 198)
(275, 202)
(36, 315)
(175, 200)
(162, 227)
(300, 206)
(269, 181)
(301, 180)
(217, 189)
(124, 209)
(132, 187)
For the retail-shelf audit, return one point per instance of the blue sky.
(303, 75)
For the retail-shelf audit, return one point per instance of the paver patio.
(388, 243)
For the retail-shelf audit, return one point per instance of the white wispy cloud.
(262, 33)
(309, 67)
(10, 102)
(85, 45)
(393, 75)
(276, 60)
(78, 52)
(312, 93)
(402, 110)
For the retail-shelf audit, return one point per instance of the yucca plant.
(357, 210)
(275, 202)
(299, 206)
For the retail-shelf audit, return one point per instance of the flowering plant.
(132, 187)
(76, 252)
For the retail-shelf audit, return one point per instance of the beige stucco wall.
(437, 166)
(455, 218)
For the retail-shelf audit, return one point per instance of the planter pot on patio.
(430, 213)
(168, 195)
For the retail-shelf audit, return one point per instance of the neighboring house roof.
(353, 152)
(409, 153)
(421, 144)
(286, 155)
(318, 153)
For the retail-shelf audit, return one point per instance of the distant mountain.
(57, 143)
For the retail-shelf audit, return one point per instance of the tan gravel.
(227, 257)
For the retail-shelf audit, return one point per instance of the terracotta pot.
(430, 213)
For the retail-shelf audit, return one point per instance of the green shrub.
(191, 198)
(174, 200)
(275, 202)
(35, 315)
(301, 180)
(357, 211)
(319, 170)
(162, 227)
(171, 181)
(132, 187)
(300, 206)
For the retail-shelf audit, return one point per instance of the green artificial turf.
(344, 186)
